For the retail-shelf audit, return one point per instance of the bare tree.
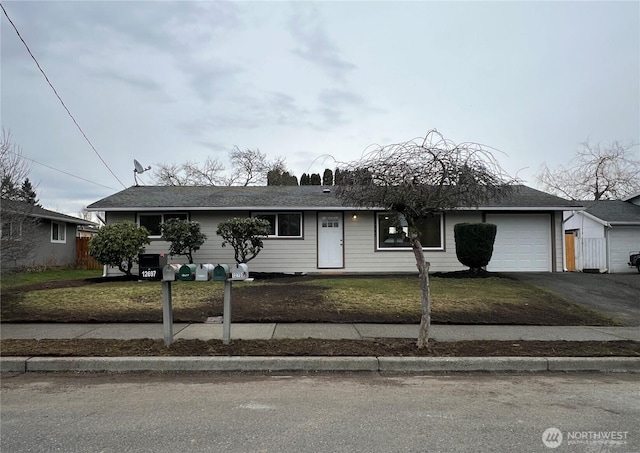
(418, 179)
(209, 173)
(595, 173)
(250, 167)
(17, 236)
(14, 169)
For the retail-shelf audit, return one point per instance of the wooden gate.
(83, 259)
(570, 251)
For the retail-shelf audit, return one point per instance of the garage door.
(622, 240)
(523, 242)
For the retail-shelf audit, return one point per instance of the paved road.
(616, 294)
(320, 413)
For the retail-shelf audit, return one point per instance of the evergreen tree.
(337, 177)
(281, 178)
(28, 193)
(315, 179)
(9, 189)
(327, 177)
(304, 180)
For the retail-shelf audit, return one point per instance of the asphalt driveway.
(615, 294)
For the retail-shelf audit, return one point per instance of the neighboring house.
(313, 232)
(601, 237)
(33, 236)
(87, 231)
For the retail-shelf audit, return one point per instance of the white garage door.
(523, 242)
(623, 240)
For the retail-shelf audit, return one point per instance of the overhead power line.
(61, 171)
(58, 96)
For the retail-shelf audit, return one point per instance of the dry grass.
(353, 299)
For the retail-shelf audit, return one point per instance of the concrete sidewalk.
(357, 331)
(318, 364)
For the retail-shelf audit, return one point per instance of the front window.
(153, 222)
(58, 230)
(393, 232)
(283, 224)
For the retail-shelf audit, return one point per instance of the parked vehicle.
(634, 259)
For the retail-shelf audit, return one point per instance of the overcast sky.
(176, 81)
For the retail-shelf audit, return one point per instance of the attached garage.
(523, 243)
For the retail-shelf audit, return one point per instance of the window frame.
(380, 248)
(277, 223)
(62, 226)
(164, 216)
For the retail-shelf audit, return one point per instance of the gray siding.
(47, 253)
(300, 255)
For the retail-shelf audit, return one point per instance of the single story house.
(312, 231)
(601, 237)
(34, 236)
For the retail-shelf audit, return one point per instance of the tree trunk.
(425, 292)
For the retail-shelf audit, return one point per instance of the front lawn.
(300, 299)
(16, 279)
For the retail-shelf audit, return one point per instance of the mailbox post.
(226, 313)
(167, 312)
(221, 272)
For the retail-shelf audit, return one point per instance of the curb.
(320, 364)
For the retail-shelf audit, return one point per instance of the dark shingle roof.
(613, 211)
(278, 197)
(41, 213)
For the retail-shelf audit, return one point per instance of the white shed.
(602, 237)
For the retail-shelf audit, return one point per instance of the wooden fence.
(83, 259)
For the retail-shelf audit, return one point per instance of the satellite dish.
(138, 168)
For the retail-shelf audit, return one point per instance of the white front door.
(330, 240)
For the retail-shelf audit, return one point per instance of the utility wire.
(61, 171)
(58, 96)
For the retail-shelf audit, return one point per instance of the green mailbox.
(221, 272)
(187, 272)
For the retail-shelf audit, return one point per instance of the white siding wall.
(588, 228)
(592, 254)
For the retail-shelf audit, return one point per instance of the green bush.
(119, 244)
(184, 237)
(474, 244)
(244, 235)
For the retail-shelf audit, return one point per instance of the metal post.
(226, 313)
(167, 313)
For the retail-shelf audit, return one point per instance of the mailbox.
(170, 272)
(187, 272)
(204, 272)
(240, 272)
(221, 272)
(150, 266)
